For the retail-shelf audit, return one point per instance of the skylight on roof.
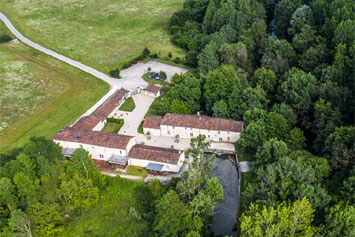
(77, 138)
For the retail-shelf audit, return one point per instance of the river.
(225, 215)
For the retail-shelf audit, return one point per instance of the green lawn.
(137, 171)
(114, 213)
(140, 127)
(153, 81)
(112, 127)
(39, 95)
(128, 105)
(101, 33)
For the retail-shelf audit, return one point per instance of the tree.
(27, 189)
(279, 56)
(115, 73)
(78, 194)
(41, 146)
(283, 220)
(348, 189)
(266, 79)
(340, 220)
(283, 13)
(303, 40)
(286, 111)
(173, 218)
(220, 109)
(296, 139)
(8, 194)
(236, 55)
(19, 224)
(241, 101)
(200, 192)
(287, 179)
(298, 91)
(276, 126)
(272, 150)
(220, 83)
(146, 52)
(208, 58)
(339, 149)
(170, 55)
(252, 137)
(163, 75)
(179, 107)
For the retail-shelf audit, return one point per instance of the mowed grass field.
(99, 33)
(39, 95)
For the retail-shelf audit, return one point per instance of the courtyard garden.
(113, 125)
(128, 105)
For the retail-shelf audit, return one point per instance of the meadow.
(39, 95)
(102, 33)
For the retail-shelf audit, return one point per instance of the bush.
(154, 56)
(149, 69)
(5, 38)
(170, 55)
(152, 75)
(115, 73)
(126, 65)
(146, 52)
(177, 60)
(114, 120)
(162, 75)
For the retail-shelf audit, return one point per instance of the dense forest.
(287, 69)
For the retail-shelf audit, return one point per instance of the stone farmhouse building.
(109, 150)
(190, 126)
(152, 90)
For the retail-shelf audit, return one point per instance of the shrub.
(170, 55)
(126, 65)
(177, 60)
(154, 56)
(152, 75)
(163, 75)
(149, 69)
(146, 52)
(140, 57)
(115, 73)
(5, 38)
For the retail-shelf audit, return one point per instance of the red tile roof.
(96, 138)
(87, 122)
(109, 105)
(152, 121)
(202, 122)
(153, 88)
(157, 154)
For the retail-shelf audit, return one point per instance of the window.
(209, 136)
(105, 149)
(220, 139)
(191, 129)
(219, 132)
(120, 152)
(191, 134)
(228, 138)
(81, 146)
(93, 147)
(173, 127)
(228, 133)
(101, 156)
(168, 132)
(185, 128)
(209, 130)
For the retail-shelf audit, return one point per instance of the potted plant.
(177, 138)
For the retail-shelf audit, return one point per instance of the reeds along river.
(225, 215)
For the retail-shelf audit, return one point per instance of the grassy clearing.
(137, 171)
(100, 34)
(112, 127)
(39, 95)
(112, 216)
(128, 105)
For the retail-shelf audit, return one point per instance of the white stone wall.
(166, 167)
(211, 135)
(95, 151)
(153, 132)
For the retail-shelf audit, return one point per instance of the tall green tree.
(282, 220)
(340, 220)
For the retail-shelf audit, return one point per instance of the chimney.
(198, 114)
